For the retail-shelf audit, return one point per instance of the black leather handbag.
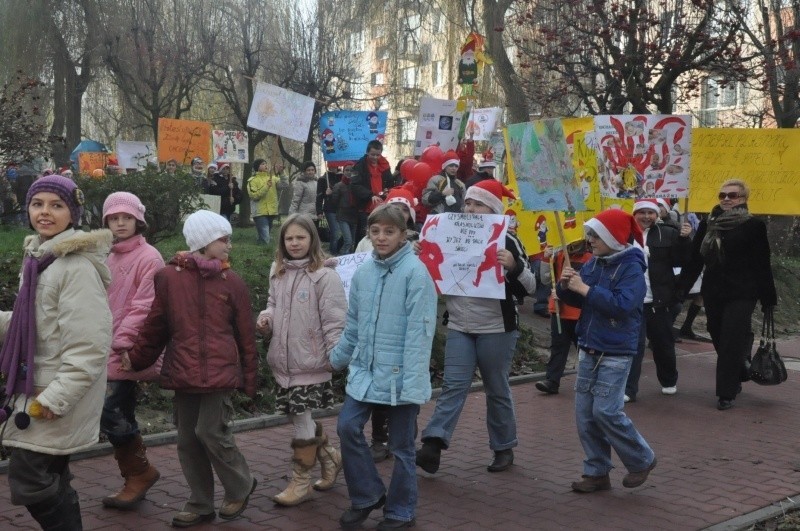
(767, 367)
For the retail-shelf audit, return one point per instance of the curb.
(746, 521)
(263, 421)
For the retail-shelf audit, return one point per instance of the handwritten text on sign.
(460, 252)
(183, 140)
(347, 266)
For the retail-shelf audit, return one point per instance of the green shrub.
(168, 199)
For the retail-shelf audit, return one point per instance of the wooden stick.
(562, 238)
(556, 303)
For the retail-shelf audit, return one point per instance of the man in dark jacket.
(665, 248)
(485, 172)
(371, 181)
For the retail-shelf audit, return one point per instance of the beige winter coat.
(73, 339)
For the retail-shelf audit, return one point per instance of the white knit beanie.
(203, 227)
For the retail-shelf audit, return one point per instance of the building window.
(378, 79)
(437, 73)
(376, 31)
(410, 77)
(382, 53)
(408, 129)
(717, 94)
(357, 42)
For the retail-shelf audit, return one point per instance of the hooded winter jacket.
(205, 321)
(133, 264)
(306, 312)
(387, 340)
(73, 338)
(611, 312)
(262, 187)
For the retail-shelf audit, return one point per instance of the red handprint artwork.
(490, 255)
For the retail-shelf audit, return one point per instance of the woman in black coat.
(733, 247)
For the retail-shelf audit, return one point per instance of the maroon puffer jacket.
(205, 321)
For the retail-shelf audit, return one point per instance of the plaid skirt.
(298, 399)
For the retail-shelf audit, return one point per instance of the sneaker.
(669, 390)
(634, 479)
(548, 387)
(232, 509)
(429, 456)
(724, 404)
(592, 484)
(380, 451)
(353, 518)
(626, 399)
(188, 519)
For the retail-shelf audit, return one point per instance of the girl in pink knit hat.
(133, 264)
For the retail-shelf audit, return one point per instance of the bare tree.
(157, 52)
(23, 131)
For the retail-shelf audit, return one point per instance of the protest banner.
(344, 134)
(90, 160)
(135, 155)
(483, 122)
(281, 112)
(460, 252)
(183, 140)
(643, 155)
(768, 160)
(347, 266)
(229, 146)
(438, 124)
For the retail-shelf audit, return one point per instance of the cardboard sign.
(460, 252)
(281, 112)
(183, 140)
(483, 122)
(90, 160)
(136, 154)
(347, 266)
(438, 124)
(344, 135)
(229, 146)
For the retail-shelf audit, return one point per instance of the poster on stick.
(89, 161)
(460, 252)
(229, 146)
(183, 140)
(281, 112)
(136, 155)
(483, 122)
(344, 135)
(438, 124)
(347, 266)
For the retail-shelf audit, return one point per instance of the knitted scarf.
(718, 222)
(19, 348)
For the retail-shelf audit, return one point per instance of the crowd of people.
(188, 323)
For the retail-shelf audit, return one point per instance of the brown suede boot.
(330, 461)
(299, 488)
(139, 475)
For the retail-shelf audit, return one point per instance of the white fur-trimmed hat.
(490, 192)
(642, 204)
(203, 227)
(404, 197)
(450, 157)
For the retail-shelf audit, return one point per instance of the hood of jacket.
(94, 245)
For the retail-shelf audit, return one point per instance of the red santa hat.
(663, 202)
(450, 157)
(491, 193)
(405, 197)
(616, 228)
(643, 204)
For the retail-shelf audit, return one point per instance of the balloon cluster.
(419, 172)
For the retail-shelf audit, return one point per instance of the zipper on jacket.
(203, 356)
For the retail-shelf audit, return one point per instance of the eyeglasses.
(590, 233)
(730, 195)
(224, 239)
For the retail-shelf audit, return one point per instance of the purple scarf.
(19, 347)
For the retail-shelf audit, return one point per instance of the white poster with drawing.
(460, 252)
(136, 155)
(281, 112)
(483, 122)
(439, 123)
(229, 146)
(347, 266)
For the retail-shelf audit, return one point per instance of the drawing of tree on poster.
(541, 164)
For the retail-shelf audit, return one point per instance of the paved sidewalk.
(712, 466)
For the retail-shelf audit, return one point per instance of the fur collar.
(71, 241)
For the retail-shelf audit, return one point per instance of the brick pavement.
(713, 466)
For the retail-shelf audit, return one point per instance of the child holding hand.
(304, 316)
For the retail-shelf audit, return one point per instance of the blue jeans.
(492, 354)
(118, 420)
(364, 485)
(263, 227)
(347, 237)
(333, 227)
(601, 419)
